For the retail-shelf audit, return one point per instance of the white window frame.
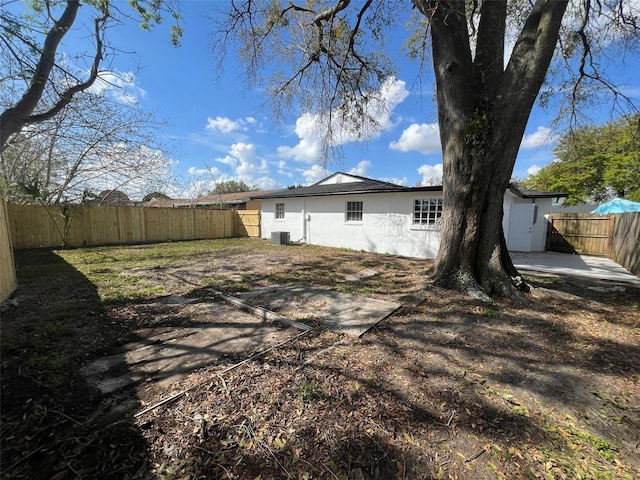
(356, 210)
(279, 212)
(426, 213)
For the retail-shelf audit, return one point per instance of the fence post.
(8, 281)
(611, 228)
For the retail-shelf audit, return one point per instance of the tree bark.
(483, 109)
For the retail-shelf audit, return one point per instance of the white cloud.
(361, 168)
(248, 171)
(312, 129)
(242, 164)
(423, 138)
(243, 151)
(533, 170)
(431, 174)
(227, 125)
(309, 149)
(314, 174)
(266, 183)
(283, 169)
(196, 172)
(120, 86)
(541, 137)
(396, 180)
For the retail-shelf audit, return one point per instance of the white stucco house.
(360, 213)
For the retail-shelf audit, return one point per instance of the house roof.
(238, 197)
(322, 188)
(225, 198)
(527, 193)
(362, 185)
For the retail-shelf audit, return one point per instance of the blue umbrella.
(617, 205)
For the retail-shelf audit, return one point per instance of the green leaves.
(594, 163)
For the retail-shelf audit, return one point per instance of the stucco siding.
(292, 222)
(539, 226)
(386, 225)
(539, 241)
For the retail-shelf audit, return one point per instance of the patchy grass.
(447, 388)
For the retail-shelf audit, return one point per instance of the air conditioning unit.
(280, 238)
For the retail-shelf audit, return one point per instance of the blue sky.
(217, 129)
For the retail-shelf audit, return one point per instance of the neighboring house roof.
(584, 208)
(527, 193)
(355, 184)
(233, 198)
(226, 199)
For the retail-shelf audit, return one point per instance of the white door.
(521, 227)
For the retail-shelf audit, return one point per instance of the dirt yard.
(445, 388)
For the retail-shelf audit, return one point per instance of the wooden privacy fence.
(616, 236)
(8, 281)
(248, 223)
(34, 226)
(580, 233)
(625, 245)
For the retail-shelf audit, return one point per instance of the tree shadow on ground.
(54, 423)
(450, 387)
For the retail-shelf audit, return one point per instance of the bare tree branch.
(13, 119)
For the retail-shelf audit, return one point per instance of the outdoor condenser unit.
(280, 238)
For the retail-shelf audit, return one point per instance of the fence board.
(34, 226)
(625, 248)
(8, 282)
(580, 233)
(248, 223)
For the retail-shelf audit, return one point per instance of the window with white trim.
(279, 211)
(354, 212)
(427, 212)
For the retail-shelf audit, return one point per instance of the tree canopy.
(594, 163)
(490, 60)
(62, 133)
(232, 186)
(40, 80)
(150, 196)
(95, 143)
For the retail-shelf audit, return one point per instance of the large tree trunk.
(483, 109)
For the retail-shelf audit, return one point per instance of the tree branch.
(13, 119)
(67, 95)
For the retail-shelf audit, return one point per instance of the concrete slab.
(168, 353)
(341, 312)
(600, 268)
(192, 334)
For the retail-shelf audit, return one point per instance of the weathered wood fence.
(614, 236)
(7, 268)
(625, 245)
(580, 233)
(35, 226)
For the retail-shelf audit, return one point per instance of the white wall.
(539, 229)
(386, 225)
(539, 242)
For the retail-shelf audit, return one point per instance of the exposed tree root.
(491, 284)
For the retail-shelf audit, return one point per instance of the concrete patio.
(599, 268)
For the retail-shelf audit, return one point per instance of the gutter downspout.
(304, 221)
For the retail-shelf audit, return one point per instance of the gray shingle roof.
(527, 193)
(369, 185)
(365, 185)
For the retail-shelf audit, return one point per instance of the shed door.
(521, 227)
